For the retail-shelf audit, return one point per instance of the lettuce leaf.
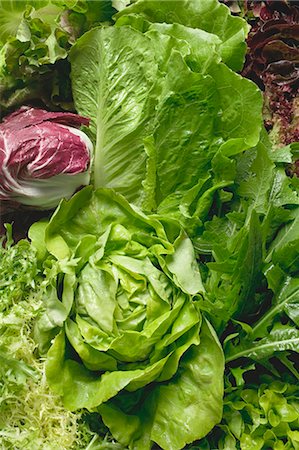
(146, 121)
(35, 39)
(122, 332)
(178, 419)
(207, 15)
(259, 417)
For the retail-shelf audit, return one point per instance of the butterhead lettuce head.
(122, 328)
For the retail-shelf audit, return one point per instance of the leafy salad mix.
(158, 306)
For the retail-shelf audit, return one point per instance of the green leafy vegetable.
(31, 416)
(122, 306)
(35, 38)
(25, 399)
(260, 418)
(146, 121)
(131, 301)
(208, 15)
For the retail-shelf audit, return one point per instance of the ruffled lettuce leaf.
(258, 417)
(208, 15)
(35, 39)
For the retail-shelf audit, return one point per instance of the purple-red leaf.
(43, 156)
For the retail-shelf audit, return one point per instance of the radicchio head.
(44, 157)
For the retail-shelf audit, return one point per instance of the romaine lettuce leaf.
(208, 15)
(146, 121)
